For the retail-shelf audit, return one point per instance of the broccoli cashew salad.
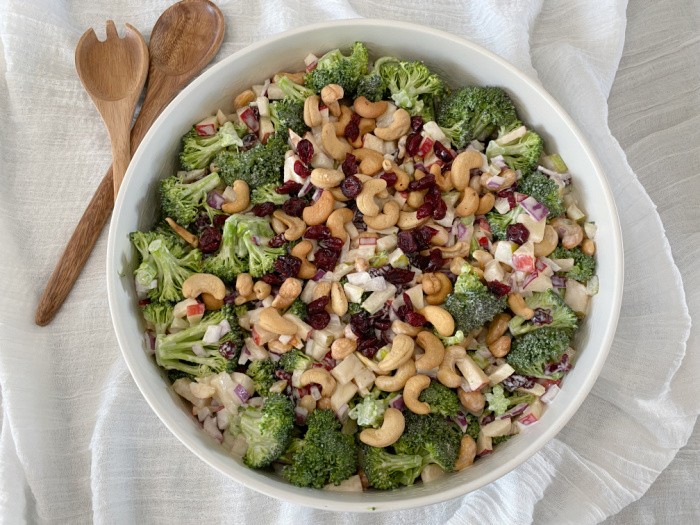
(362, 276)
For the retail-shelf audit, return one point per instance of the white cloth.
(79, 444)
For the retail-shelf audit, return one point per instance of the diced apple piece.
(498, 375)
(353, 293)
(303, 329)
(536, 228)
(262, 336)
(374, 143)
(375, 302)
(503, 252)
(181, 387)
(475, 376)
(195, 312)
(180, 309)
(536, 390)
(364, 379)
(178, 324)
(532, 414)
(256, 352)
(576, 296)
(499, 427)
(523, 259)
(541, 283)
(431, 472)
(343, 394)
(484, 444)
(416, 295)
(323, 337)
(346, 369)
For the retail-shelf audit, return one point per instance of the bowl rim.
(369, 503)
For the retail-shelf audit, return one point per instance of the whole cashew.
(343, 347)
(319, 376)
(277, 225)
(400, 125)
(343, 121)
(447, 374)
(295, 227)
(262, 290)
(469, 203)
(482, 257)
(199, 283)
(497, 328)
(324, 403)
(331, 94)
(335, 147)
(409, 220)
(338, 195)
(271, 320)
(297, 78)
(414, 387)
(588, 247)
(467, 452)
(365, 200)
(434, 351)
(370, 161)
(570, 232)
(302, 251)
(441, 237)
(401, 351)
(367, 125)
(388, 218)
(371, 364)
(336, 222)
(308, 403)
(416, 198)
(517, 304)
(244, 287)
(278, 347)
(339, 301)
(548, 243)
(188, 237)
(399, 327)
(440, 318)
(289, 290)
(462, 166)
(367, 109)
(459, 249)
(320, 210)
(456, 265)
(473, 401)
(500, 347)
(212, 303)
(243, 98)
(323, 289)
(326, 178)
(242, 191)
(402, 178)
(312, 116)
(486, 203)
(398, 380)
(443, 181)
(389, 433)
(439, 285)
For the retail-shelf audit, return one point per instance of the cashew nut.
(211, 303)
(297, 78)
(339, 302)
(365, 200)
(497, 328)
(371, 364)
(400, 125)
(402, 178)
(500, 347)
(278, 347)
(447, 374)
(343, 121)
(277, 225)
(271, 320)
(188, 237)
(320, 210)
(343, 347)
(244, 287)
(414, 387)
(331, 94)
(588, 247)
(401, 351)
(337, 220)
(367, 109)
(570, 232)
(416, 198)
(324, 403)
(434, 351)
(459, 249)
(262, 290)
(462, 166)
(319, 376)
(440, 318)
(442, 235)
(482, 257)
(289, 290)
(302, 250)
(308, 403)
(389, 433)
(295, 227)
(399, 327)
(322, 289)
(370, 161)
(467, 452)
(242, 191)
(437, 286)
(398, 380)
(243, 99)
(443, 181)
(548, 243)
(326, 178)
(312, 115)
(519, 307)
(335, 147)
(388, 218)
(456, 265)
(409, 220)
(469, 203)
(473, 401)
(199, 283)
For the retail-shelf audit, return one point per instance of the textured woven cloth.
(77, 441)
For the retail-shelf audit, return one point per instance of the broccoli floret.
(355, 308)
(227, 263)
(267, 193)
(294, 91)
(500, 439)
(473, 427)
(262, 373)
(584, 265)
(181, 200)
(268, 430)
(325, 456)
(531, 353)
(251, 234)
(475, 113)
(385, 470)
(288, 114)
(544, 190)
(336, 68)
(499, 222)
(520, 154)
(260, 165)
(551, 302)
(197, 151)
(159, 316)
(433, 437)
(455, 339)
(146, 271)
(472, 304)
(174, 351)
(295, 360)
(373, 86)
(442, 400)
(379, 259)
(171, 272)
(412, 86)
(299, 309)
(499, 402)
(370, 411)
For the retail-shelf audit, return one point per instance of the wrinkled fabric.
(79, 444)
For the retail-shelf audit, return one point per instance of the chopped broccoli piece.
(551, 302)
(385, 470)
(197, 151)
(295, 360)
(249, 234)
(475, 113)
(499, 222)
(472, 305)
(299, 309)
(473, 427)
(293, 91)
(433, 437)
(370, 411)
(260, 165)
(455, 339)
(442, 400)
(499, 402)
(532, 352)
(584, 265)
(373, 86)
(336, 68)
(181, 200)
(268, 430)
(228, 262)
(412, 86)
(159, 316)
(521, 154)
(500, 439)
(267, 193)
(171, 272)
(262, 373)
(288, 114)
(379, 259)
(544, 190)
(325, 456)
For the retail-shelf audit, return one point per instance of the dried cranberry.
(542, 316)
(517, 233)
(283, 374)
(382, 323)
(319, 320)
(415, 319)
(317, 232)
(419, 261)
(352, 131)
(201, 222)
(209, 239)
(498, 288)
(228, 350)
(332, 243)
(230, 298)
(390, 178)
(508, 193)
(350, 165)
(318, 305)
(249, 140)
(369, 347)
(435, 261)
(294, 206)
(425, 210)
(351, 186)
(402, 310)
(277, 241)
(413, 143)
(144, 302)
(288, 188)
(422, 235)
(301, 169)
(399, 276)
(220, 219)
(272, 279)
(422, 184)
(433, 196)
(406, 242)
(416, 123)
(361, 324)
(263, 209)
(442, 153)
(407, 301)
(288, 265)
(325, 259)
(440, 210)
(305, 150)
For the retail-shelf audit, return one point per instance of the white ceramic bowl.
(459, 62)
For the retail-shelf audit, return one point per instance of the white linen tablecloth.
(79, 444)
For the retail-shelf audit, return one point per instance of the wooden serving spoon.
(183, 41)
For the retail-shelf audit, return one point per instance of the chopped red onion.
(150, 341)
(342, 412)
(537, 210)
(306, 187)
(558, 281)
(317, 194)
(315, 392)
(215, 199)
(495, 182)
(550, 394)
(241, 393)
(368, 241)
(519, 197)
(319, 275)
(211, 428)
(300, 414)
(530, 277)
(515, 411)
(398, 403)
(212, 334)
(225, 328)
(499, 162)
